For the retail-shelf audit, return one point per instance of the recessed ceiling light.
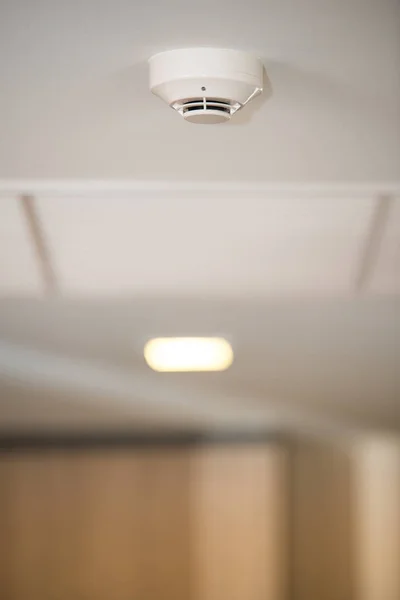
(188, 354)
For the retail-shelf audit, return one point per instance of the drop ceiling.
(306, 290)
(119, 221)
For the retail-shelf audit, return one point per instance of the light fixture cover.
(179, 354)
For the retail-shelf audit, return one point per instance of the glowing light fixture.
(188, 354)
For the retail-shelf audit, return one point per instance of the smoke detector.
(206, 85)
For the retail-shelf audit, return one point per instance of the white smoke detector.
(206, 85)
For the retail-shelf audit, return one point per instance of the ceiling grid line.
(40, 245)
(373, 242)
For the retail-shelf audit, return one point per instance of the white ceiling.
(305, 284)
(280, 230)
(320, 364)
(75, 102)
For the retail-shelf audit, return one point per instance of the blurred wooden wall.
(321, 541)
(184, 523)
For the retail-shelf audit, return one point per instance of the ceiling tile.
(210, 245)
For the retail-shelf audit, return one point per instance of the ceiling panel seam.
(40, 245)
(373, 242)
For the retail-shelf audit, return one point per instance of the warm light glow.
(188, 354)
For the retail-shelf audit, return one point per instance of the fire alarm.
(206, 85)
